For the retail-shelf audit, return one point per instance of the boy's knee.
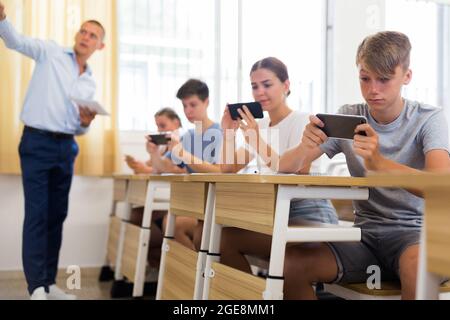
(226, 240)
(300, 262)
(198, 233)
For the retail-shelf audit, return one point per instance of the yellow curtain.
(59, 20)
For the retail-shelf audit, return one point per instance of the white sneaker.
(56, 293)
(39, 294)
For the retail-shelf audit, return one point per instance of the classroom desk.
(128, 244)
(258, 203)
(181, 269)
(434, 255)
(261, 203)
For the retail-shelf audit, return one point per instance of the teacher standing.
(48, 149)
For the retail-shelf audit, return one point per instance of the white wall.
(85, 232)
(86, 228)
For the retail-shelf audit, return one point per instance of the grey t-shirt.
(419, 129)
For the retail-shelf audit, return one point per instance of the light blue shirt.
(206, 146)
(55, 80)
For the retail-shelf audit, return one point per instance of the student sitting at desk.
(266, 141)
(196, 151)
(167, 120)
(402, 136)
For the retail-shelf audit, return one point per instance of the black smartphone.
(254, 107)
(341, 126)
(160, 139)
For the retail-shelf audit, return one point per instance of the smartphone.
(160, 139)
(254, 107)
(341, 126)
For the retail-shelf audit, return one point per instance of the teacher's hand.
(86, 117)
(2, 11)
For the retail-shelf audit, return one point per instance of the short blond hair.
(383, 52)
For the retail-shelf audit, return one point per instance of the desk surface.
(394, 180)
(417, 181)
(144, 177)
(254, 178)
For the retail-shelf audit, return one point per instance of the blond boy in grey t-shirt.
(402, 136)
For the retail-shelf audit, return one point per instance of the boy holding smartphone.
(403, 136)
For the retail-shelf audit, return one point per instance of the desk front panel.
(188, 199)
(246, 206)
(437, 214)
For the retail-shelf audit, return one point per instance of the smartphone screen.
(341, 126)
(254, 107)
(160, 139)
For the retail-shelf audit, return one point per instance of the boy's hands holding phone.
(368, 147)
(152, 148)
(313, 136)
(175, 142)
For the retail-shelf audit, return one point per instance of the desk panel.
(246, 206)
(188, 199)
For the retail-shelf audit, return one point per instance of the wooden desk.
(261, 203)
(129, 243)
(434, 256)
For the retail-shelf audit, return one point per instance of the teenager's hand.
(138, 167)
(152, 148)
(368, 147)
(174, 141)
(313, 136)
(86, 117)
(248, 124)
(227, 122)
(2, 12)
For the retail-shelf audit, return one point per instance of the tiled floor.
(13, 286)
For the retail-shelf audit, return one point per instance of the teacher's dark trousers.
(47, 162)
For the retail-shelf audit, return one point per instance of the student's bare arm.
(196, 164)
(160, 164)
(299, 159)
(232, 165)
(368, 149)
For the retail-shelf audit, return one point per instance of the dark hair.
(98, 24)
(384, 52)
(194, 87)
(169, 113)
(275, 65)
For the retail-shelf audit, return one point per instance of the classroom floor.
(13, 286)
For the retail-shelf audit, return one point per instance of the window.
(162, 44)
(419, 21)
(294, 32)
(165, 42)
